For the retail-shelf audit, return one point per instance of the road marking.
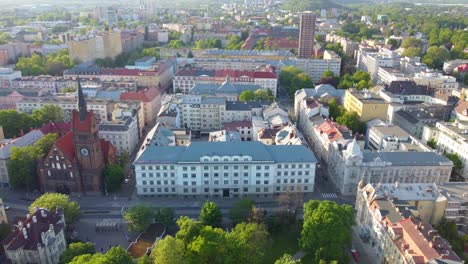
(329, 196)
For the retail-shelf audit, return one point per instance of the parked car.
(356, 255)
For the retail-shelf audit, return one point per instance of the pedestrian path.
(329, 196)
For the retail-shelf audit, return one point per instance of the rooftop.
(256, 150)
(407, 158)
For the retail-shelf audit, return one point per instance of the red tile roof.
(66, 146)
(56, 127)
(16, 240)
(146, 95)
(462, 68)
(250, 74)
(462, 108)
(268, 133)
(330, 129)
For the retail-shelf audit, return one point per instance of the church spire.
(82, 109)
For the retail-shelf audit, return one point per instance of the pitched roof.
(408, 88)
(128, 72)
(17, 240)
(66, 146)
(462, 108)
(329, 128)
(77, 125)
(56, 127)
(146, 95)
(235, 124)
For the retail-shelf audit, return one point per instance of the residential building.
(366, 104)
(243, 127)
(150, 100)
(22, 140)
(452, 137)
(289, 135)
(37, 238)
(11, 51)
(228, 90)
(224, 136)
(224, 169)
(449, 66)
(76, 161)
(102, 45)
(131, 41)
(393, 229)
(318, 92)
(307, 35)
(243, 111)
(413, 120)
(44, 83)
(392, 138)
(349, 47)
(122, 133)
(9, 98)
(101, 108)
(316, 67)
(7, 75)
(437, 81)
(185, 80)
(455, 193)
(348, 164)
(370, 61)
(248, 54)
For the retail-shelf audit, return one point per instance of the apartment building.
(306, 35)
(394, 227)
(102, 109)
(37, 238)
(457, 199)
(348, 164)
(224, 169)
(437, 81)
(370, 61)
(248, 54)
(316, 67)
(43, 83)
(122, 133)
(243, 127)
(368, 105)
(349, 47)
(150, 100)
(392, 138)
(449, 66)
(99, 46)
(186, 79)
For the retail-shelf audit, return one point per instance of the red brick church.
(76, 161)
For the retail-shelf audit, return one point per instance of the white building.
(122, 133)
(39, 238)
(316, 67)
(370, 61)
(437, 80)
(224, 169)
(7, 75)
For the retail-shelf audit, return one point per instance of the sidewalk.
(366, 251)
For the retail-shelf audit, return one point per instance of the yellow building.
(102, 45)
(366, 104)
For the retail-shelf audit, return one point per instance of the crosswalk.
(329, 196)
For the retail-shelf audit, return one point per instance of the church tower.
(88, 149)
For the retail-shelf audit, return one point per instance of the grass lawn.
(284, 241)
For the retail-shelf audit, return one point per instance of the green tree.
(48, 113)
(32, 66)
(300, 81)
(76, 249)
(150, 52)
(412, 52)
(176, 44)
(449, 231)
(113, 177)
(169, 251)
(124, 159)
(287, 74)
(457, 163)
(139, 218)
(287, 259)
(246, 96)
(334, 109)
(250, 240)
(211, 215)
(432, 143)
(165, 216)
(328, 73)
(4, 38)
(436, 56)
(51, 201)
(22, 166)
(118, 255)
(393, 42)
(351, 120)
(241, 210)
(234, 43)
(145, 260)
(327, 230)
(188, 229)
(263, 95)
(13, 122)
(45, 143)
(189, 54)
(411, 42)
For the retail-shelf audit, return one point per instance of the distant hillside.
(303, 5)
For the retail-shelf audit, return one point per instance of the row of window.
(226, 167)
(216, 190)
(235, 182)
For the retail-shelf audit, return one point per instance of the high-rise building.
(306, 35)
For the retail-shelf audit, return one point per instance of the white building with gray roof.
(122, 133)
(224, 169)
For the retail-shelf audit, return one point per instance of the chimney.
(25, 233)
(34, 219)
(43, 214)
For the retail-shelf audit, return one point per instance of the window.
(144, 182)
(158, 174)
(216, 167)
(226, 174)
(257, 182)
(293, 180)
(151, 167)
(226, 167)
(265, 189)
(226, 181)
(184, 168)
(185, 175)
(293, 173)
(277, 188)
(216, 182)
(207, 182)
(142, 175)
(286, 166)
(278, 173)
(151, 182)
(306, 180)
(266, 174)
(300, 166)
(236, 182)
(285, 173)
(145, 190)
(246, 174)
(194, 190)
(279, 166)
(172, 174)
(259, 167)
(185, 183)
(185, 190)
(152, 189)
(306, 173)
(207, 190)
(306, 188)
(236, 167)
(205, 175)
(172, 182)
(216, 174)
(265, 182)
(205, 167)
(299, 180)
(285, 181)
(246, 189)
(194, 175)
(236, 174)
(173, 189)
(194, 183)
(246, 182)
(246, 167)
(267, 167)
(192, 168)
(299, 173)
(257, 190)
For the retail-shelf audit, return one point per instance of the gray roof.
(121, 125)
(387, 210)
(245, 106)
(213, 100)
(285, 53)
(112, 95)
(257, 150)
(408, 158)
(225, 88)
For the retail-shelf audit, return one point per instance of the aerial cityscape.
(234, 132)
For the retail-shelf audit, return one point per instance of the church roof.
(84, 125)
(66, 146)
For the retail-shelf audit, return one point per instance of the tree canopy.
(48, 113)
(13, 122)
(53, 63)
(258, 95)
(139, 218)
(211, 215)
(76, 249)
(116, 255)
(300, 81)
(113, 177)
(22, 167)
(241, 210)
(51, 201)
(327, 230)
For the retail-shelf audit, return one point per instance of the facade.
(76, 160)
(224, 169)
(122, 133)
(455, 193)
(37, 238)
(366, 104)
(437, 81)
(5, 151)
(415, 120)
(99, 46)
(43, 83)
(370, 61)
(150, 100)
(316, 67)
(7, 75)
(392, 226)
(307, 35)
(392, 138)
(243, 127)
